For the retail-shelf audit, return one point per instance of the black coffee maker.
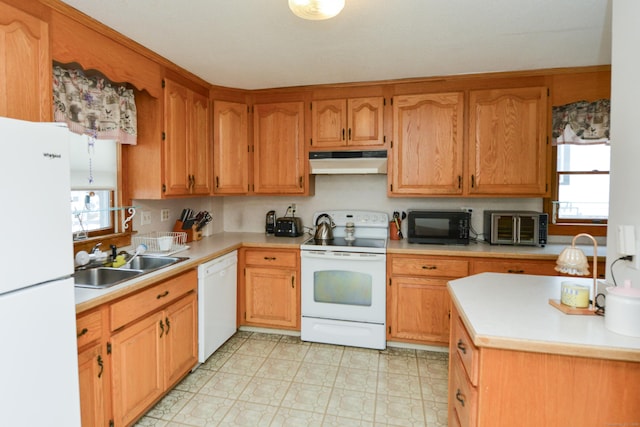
(270, 222)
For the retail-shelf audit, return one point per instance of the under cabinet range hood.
(348, 162)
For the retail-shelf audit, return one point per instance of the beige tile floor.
(258, 379)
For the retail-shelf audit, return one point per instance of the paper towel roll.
(574, 295)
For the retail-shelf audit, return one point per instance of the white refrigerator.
(38, 356)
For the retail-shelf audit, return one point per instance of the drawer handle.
(162, 295)
(101, 365)
(462, 347)
(429, 267)
(515, 271)
(460, 397)
(82, 332)
(270, 258)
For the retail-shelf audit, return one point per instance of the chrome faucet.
(95, 248)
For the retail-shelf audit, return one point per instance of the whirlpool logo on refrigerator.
(52, 155)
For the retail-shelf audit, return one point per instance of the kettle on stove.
(324, 227)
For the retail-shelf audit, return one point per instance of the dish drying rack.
(152, 242)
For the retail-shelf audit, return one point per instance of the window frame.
(568, 227)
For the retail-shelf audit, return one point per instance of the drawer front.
(544, 268)
(466, 350)
(150, 299)
(463, 396)
(288, 259)
(89, 328)
(430, 267)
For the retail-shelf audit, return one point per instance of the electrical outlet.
(293, 207)
(145, 218)
(466, 209)
(164, 215)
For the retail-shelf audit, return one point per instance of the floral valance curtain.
(582, 122)
(92, 106)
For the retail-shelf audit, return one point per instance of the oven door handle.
(354, 256)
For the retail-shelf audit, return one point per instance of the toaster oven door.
(527, 228)
(503, 229)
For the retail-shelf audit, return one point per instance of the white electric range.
(343, 288)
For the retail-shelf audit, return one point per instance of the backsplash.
(247, 213)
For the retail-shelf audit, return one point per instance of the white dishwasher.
(216, 303)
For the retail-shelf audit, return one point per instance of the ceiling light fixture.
(316, 10)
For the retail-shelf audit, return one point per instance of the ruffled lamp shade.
(572, 261)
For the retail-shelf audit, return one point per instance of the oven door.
(344, 286)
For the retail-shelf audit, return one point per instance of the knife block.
(192, 233)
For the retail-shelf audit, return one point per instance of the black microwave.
(439, 227)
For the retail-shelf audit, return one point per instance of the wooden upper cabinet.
(427, 149)
(507, 142)
(187, 155)
(340, 123)
(176, 111)
(279, 156)
(200, 147)
(230, 148)
(25, 70)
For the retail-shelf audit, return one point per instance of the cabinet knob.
(82, 332)
(101, 365)
(269, 258)
(462, 347)
(161, 328)
(460, 397)
(166, 320)
(515, 271)
(162, 295)
(429, 267)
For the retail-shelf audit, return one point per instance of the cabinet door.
(427, 144)
(176, 113)
(329, 123)
(230, 148)
(137, 379)
(200, 147)
(180, 338)
(419, 310)
(271, 297)
(91, 370)
(279, 161)
(507, 142)
(356, 122)
(26, 73)
(365, 122)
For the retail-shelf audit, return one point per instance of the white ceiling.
(254, 44)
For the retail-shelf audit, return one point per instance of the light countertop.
(199, 252)
(484, 249)
(509, 311)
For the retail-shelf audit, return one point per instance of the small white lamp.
(574, 262)
(316, 10)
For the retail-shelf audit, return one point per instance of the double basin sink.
(101, 277)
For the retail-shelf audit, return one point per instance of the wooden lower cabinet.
(417, 298)
(492, 387)
(270, 293)
(134, 350)
(93, 369)
(137, 375)
(522, 266)
(151, 355)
